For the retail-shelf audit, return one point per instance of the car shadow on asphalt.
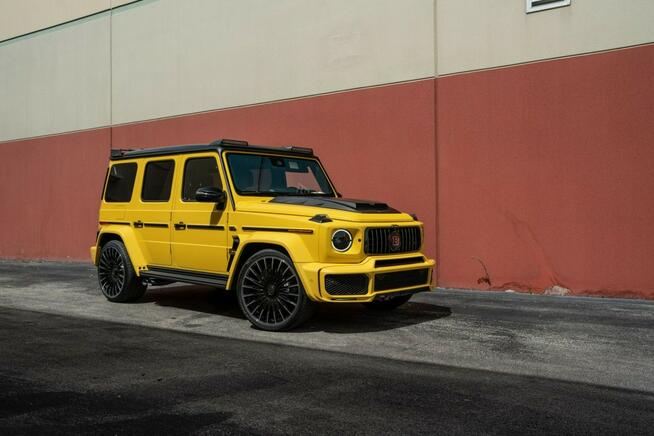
(331, 318)
(203, 299)
(355, 318)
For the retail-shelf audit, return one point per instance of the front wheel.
(270, 292)
(118, 280)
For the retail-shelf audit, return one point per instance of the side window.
(120, 183)
(158, 180)
(199, 172)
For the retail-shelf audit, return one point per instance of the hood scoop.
(346, 204)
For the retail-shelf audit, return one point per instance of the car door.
(199, 229)
(150, 212)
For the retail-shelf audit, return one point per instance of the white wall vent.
(541, 5)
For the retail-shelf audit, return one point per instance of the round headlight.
(341, 240)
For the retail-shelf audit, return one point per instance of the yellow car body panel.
(123, 231)
(204, 239)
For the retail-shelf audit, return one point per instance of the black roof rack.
(220, 142)
(218, 145)
(118, 152)
(297, 149)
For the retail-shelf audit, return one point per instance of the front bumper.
(412, 277)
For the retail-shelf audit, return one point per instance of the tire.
(389, 303)
(270, 292)
(118, 280)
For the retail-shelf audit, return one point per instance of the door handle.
(138, 224)
(180, 226)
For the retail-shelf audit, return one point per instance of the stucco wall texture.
(526, 176)
(545, 175)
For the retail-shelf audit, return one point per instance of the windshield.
(273, 175)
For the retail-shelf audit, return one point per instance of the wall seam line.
(208, 111)
(552, 59)
(64, 23)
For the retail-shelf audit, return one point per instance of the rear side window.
(201, 172)
(120, 183)
(158, 180)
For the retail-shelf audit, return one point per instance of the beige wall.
(172, 57)
(55, 81)
(475, 34)
(19, 17)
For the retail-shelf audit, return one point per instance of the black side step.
(185, 276)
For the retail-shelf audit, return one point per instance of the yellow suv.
(265, 222)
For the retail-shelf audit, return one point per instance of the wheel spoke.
(255, 283)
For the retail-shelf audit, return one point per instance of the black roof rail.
(296, 149)
(219, 142)
(118, 152)
(228, 144)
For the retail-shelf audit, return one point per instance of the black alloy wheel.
(270, 292)
(116, 275)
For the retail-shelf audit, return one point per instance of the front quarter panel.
(296, 235)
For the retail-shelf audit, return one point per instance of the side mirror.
(210, 194)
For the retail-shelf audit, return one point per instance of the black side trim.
(118, 223)
(278, 229)
(203, 227)
(232, 228)
(159, 225)
(186, 276)
(232, 251)
(393, 262)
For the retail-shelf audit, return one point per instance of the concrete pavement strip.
(605, 342)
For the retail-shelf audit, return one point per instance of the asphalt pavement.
(184, 361)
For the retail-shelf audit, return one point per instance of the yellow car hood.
(336, 208)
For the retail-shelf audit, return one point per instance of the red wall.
(50, 193)
(376, 143)
(546, 175)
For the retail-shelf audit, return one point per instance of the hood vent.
(346, 204)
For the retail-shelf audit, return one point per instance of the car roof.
(218, 145)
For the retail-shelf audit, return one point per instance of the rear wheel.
(388, 303)
(270, 292)
(118, 280)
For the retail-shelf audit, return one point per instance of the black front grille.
(346, 284)
(401, 279)
(378, 240)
